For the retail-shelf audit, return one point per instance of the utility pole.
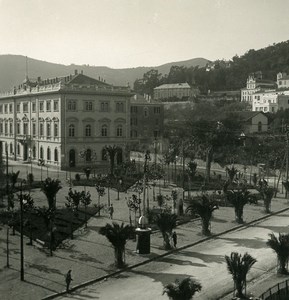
(147, 157)
(21, 236)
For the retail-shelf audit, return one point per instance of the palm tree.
(117, 235)
(239, 266)
(267, 194)
(239, 199)
(13, 178)
(28, 208)
(281, 246)
(166, 222)
(182, 290)
(232, 172)
(204, 207)
(111, 152)
(50, 188)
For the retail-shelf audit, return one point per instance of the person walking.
(175, 239)
(68, 280)
(111, 211)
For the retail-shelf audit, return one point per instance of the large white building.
(274, 99)
(255, 83)
(64, 121)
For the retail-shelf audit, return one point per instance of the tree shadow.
(85, 257)
(274, 228)
(207, 258)
(256, 243)
(163, 278)
(41, 286)
(45, 269)
(218, 220)
(81, 295)
(181, 262)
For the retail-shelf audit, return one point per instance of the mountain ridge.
(13, 70)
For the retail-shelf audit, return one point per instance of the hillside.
(12, 70)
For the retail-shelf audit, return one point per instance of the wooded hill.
(224, 76)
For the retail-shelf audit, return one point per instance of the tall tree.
(50, 188)
(166, 222)
(239, 266)
(111, 151)
(117, 236)
(280, 245)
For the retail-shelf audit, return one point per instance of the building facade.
(255, 83)
(66, 122)
(181, 91)
(146, 123)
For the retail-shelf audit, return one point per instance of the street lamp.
(118, 187)
(21, 234)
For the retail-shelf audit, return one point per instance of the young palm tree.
(281, 246)
(267, 194)
(238, 199)
(111, 152)
(182, 290)
(166, 222)
(204, 207)
(239, 266)
(13, 178)
(50, 188)
(117, 235)
(232, 172)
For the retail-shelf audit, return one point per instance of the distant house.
(254, 121)
(221, 96)
(255, 83)
(175, 92)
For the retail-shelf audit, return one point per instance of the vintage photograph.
(144, 149)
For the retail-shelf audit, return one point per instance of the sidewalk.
(90, 255)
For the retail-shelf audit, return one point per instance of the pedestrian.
(68, 280)
(175, 239)
(111, 211)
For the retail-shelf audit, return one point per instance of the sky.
(132, 33)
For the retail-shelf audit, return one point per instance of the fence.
(278, 292)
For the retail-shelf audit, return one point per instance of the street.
(205, 262)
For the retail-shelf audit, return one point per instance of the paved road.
(205, 262)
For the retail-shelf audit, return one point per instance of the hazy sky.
(131, 33)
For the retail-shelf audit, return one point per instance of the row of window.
(24, 107)
(88, 130)
(8, 129)
(89, 106)
(134, 133)
(134, 110)
(134, 121)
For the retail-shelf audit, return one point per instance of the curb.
(89, 282)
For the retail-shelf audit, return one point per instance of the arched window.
(260, 126)
(48, 154)
(88, 130)
(146, 112)
(11, 148)
(48, 130)
(88, 155)
(104, 130)
(18, 149)
(55, 129)
(34, 152)
(103, 154)
(41, 129)
(41, 153)
(119, 130)
(71, 130)
(55, 154)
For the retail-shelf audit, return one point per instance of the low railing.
(279, 291)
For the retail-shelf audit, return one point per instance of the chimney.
(38, 79)
(75, 72)
(99, 78)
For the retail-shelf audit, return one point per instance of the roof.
(83, 79)
(285, 77)
(139, 99)
(247, 115)
(184, 85)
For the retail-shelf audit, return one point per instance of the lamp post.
(21, 234)
(118, 188)
(147, 157)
